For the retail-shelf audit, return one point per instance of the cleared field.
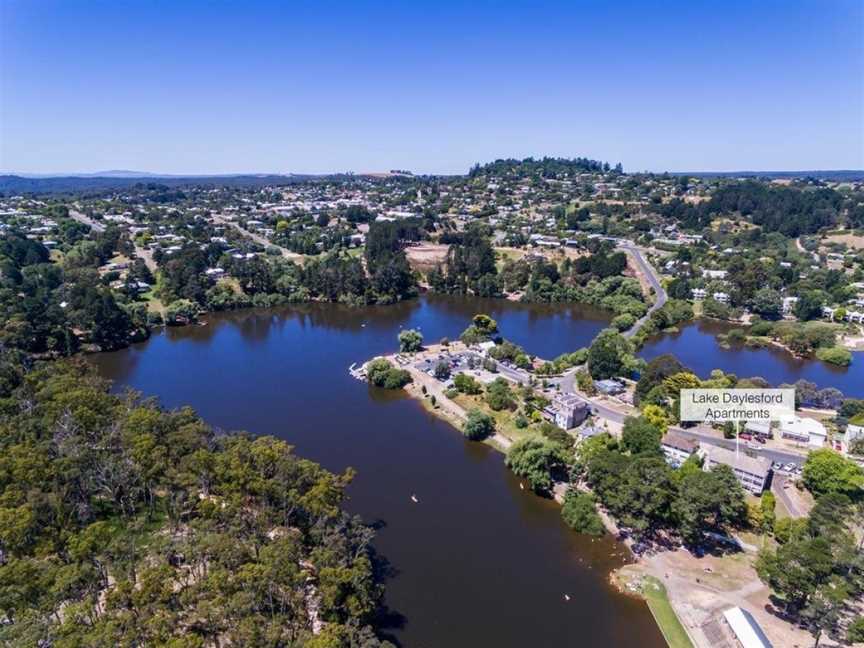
(850, 240)
(427, 255)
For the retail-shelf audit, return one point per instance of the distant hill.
(18, 184)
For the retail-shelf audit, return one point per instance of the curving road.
(660, 296)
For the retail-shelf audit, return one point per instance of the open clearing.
(850, 240)
(427, 255)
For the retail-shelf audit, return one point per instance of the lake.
(697, 347)
(477, 561)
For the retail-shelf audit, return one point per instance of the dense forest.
(122, 524)
(789, 210)
(546, 167)
(49, 308)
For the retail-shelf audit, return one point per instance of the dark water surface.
(697, 347)
(477, 562)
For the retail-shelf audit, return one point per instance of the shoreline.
(685, 594)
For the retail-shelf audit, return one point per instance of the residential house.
(609, 387)
(721, 297)
(677, 448)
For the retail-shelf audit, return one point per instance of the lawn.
(504, 420)
(670, 626)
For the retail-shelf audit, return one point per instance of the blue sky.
(222, 87)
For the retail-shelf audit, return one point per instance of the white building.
(789, 304)
(752, 472)
(745, 629)
(842, 442)
(677, 449)
(721, 297)
(713, 274)
(566, 410)
(698, 293)
(803, 430)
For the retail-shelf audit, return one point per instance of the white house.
(842, 442)
(698, 293)
(789, 304)
(713, 274)
(677, 449)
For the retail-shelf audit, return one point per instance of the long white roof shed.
(746, 629)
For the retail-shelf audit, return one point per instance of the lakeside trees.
(478, 425)
(123, 524)
(538, 460)
(610, 355)
(382, 373)
(410, 341)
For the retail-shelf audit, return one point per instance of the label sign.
(722, 405)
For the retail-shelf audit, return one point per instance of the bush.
(499, 396)
(442, 370)
(466, 384)
(556, 434)
(736, 336)
(835, 355)
(478, 426)
(761, 328)
(623, 322)
(181, 311)
(383, 374)
(410, 341)
(580, 514)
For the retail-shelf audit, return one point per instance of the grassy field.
(504, 420)
(670, 626)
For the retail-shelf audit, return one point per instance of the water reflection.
(697, 347)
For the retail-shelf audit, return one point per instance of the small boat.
(414, 499)
(566, 597)
(521, 486)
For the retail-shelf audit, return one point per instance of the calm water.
(478, 562)
(697, 347)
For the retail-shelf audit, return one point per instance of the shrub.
(580, 514)
(383, 374)
(835, 355)
(466, 384)
(410, 341)
(478, 426)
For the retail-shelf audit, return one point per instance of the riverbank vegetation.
(125, 524)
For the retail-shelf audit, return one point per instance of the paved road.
(777, 484)
(86, 220)
(260, 240)
(653, 278)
